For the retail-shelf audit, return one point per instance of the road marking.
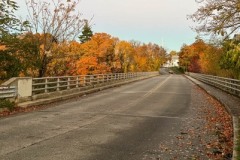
(144, 96)
(131, 115)
(158, 86)
(134, 92)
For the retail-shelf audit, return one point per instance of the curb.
(235, 137)
(235, 119)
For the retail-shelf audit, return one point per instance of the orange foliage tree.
(204, 58)
(101, 54)
(190, 55)
(209, 60)
(149, 57)
(100, 49)
(89, 65)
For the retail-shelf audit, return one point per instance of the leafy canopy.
(8, 21)
(218, 17)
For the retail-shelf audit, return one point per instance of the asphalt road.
(124, 123)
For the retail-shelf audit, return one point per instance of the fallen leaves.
(219, 123)
(19, 110)
(206, 133)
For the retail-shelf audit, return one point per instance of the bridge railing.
(7, 92)
(227, 84)
(28, 88)
(53, 84)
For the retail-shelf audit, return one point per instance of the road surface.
(130, 122)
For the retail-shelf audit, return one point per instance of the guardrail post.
(46, 85)
(68, 83)
(77, 82)
(97, 78)
(112, 77)
(107, 77)
(91, 80)
(84, 80)
(58, 84)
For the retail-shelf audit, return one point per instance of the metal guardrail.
(227, 84)
(53, 84)
(7, 92)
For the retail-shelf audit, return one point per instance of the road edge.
(235, 121)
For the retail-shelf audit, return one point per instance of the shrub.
(5, 103)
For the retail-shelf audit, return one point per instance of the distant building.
(174, 62)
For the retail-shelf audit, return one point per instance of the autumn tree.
(61, 62)
(184, 59)
(89, 65)
(57, 21)
(141, 57)
(124, 56)
(101, 49)
(204, 58)
(190, 55)
(209, 60)
(148, 57)
(219, 17)
(86, 32)
(155, 56)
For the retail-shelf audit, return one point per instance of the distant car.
(171, 72)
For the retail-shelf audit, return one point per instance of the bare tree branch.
(58, 18)
(220, 17)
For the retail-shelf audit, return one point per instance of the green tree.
(10, 28)
(86, 33)
(231, 58)
(7, 18)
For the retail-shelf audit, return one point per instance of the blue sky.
(162, 22)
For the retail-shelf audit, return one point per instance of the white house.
(174, 62)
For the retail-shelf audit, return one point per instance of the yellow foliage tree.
(124, 56)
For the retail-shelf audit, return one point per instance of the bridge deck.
(158, 118)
